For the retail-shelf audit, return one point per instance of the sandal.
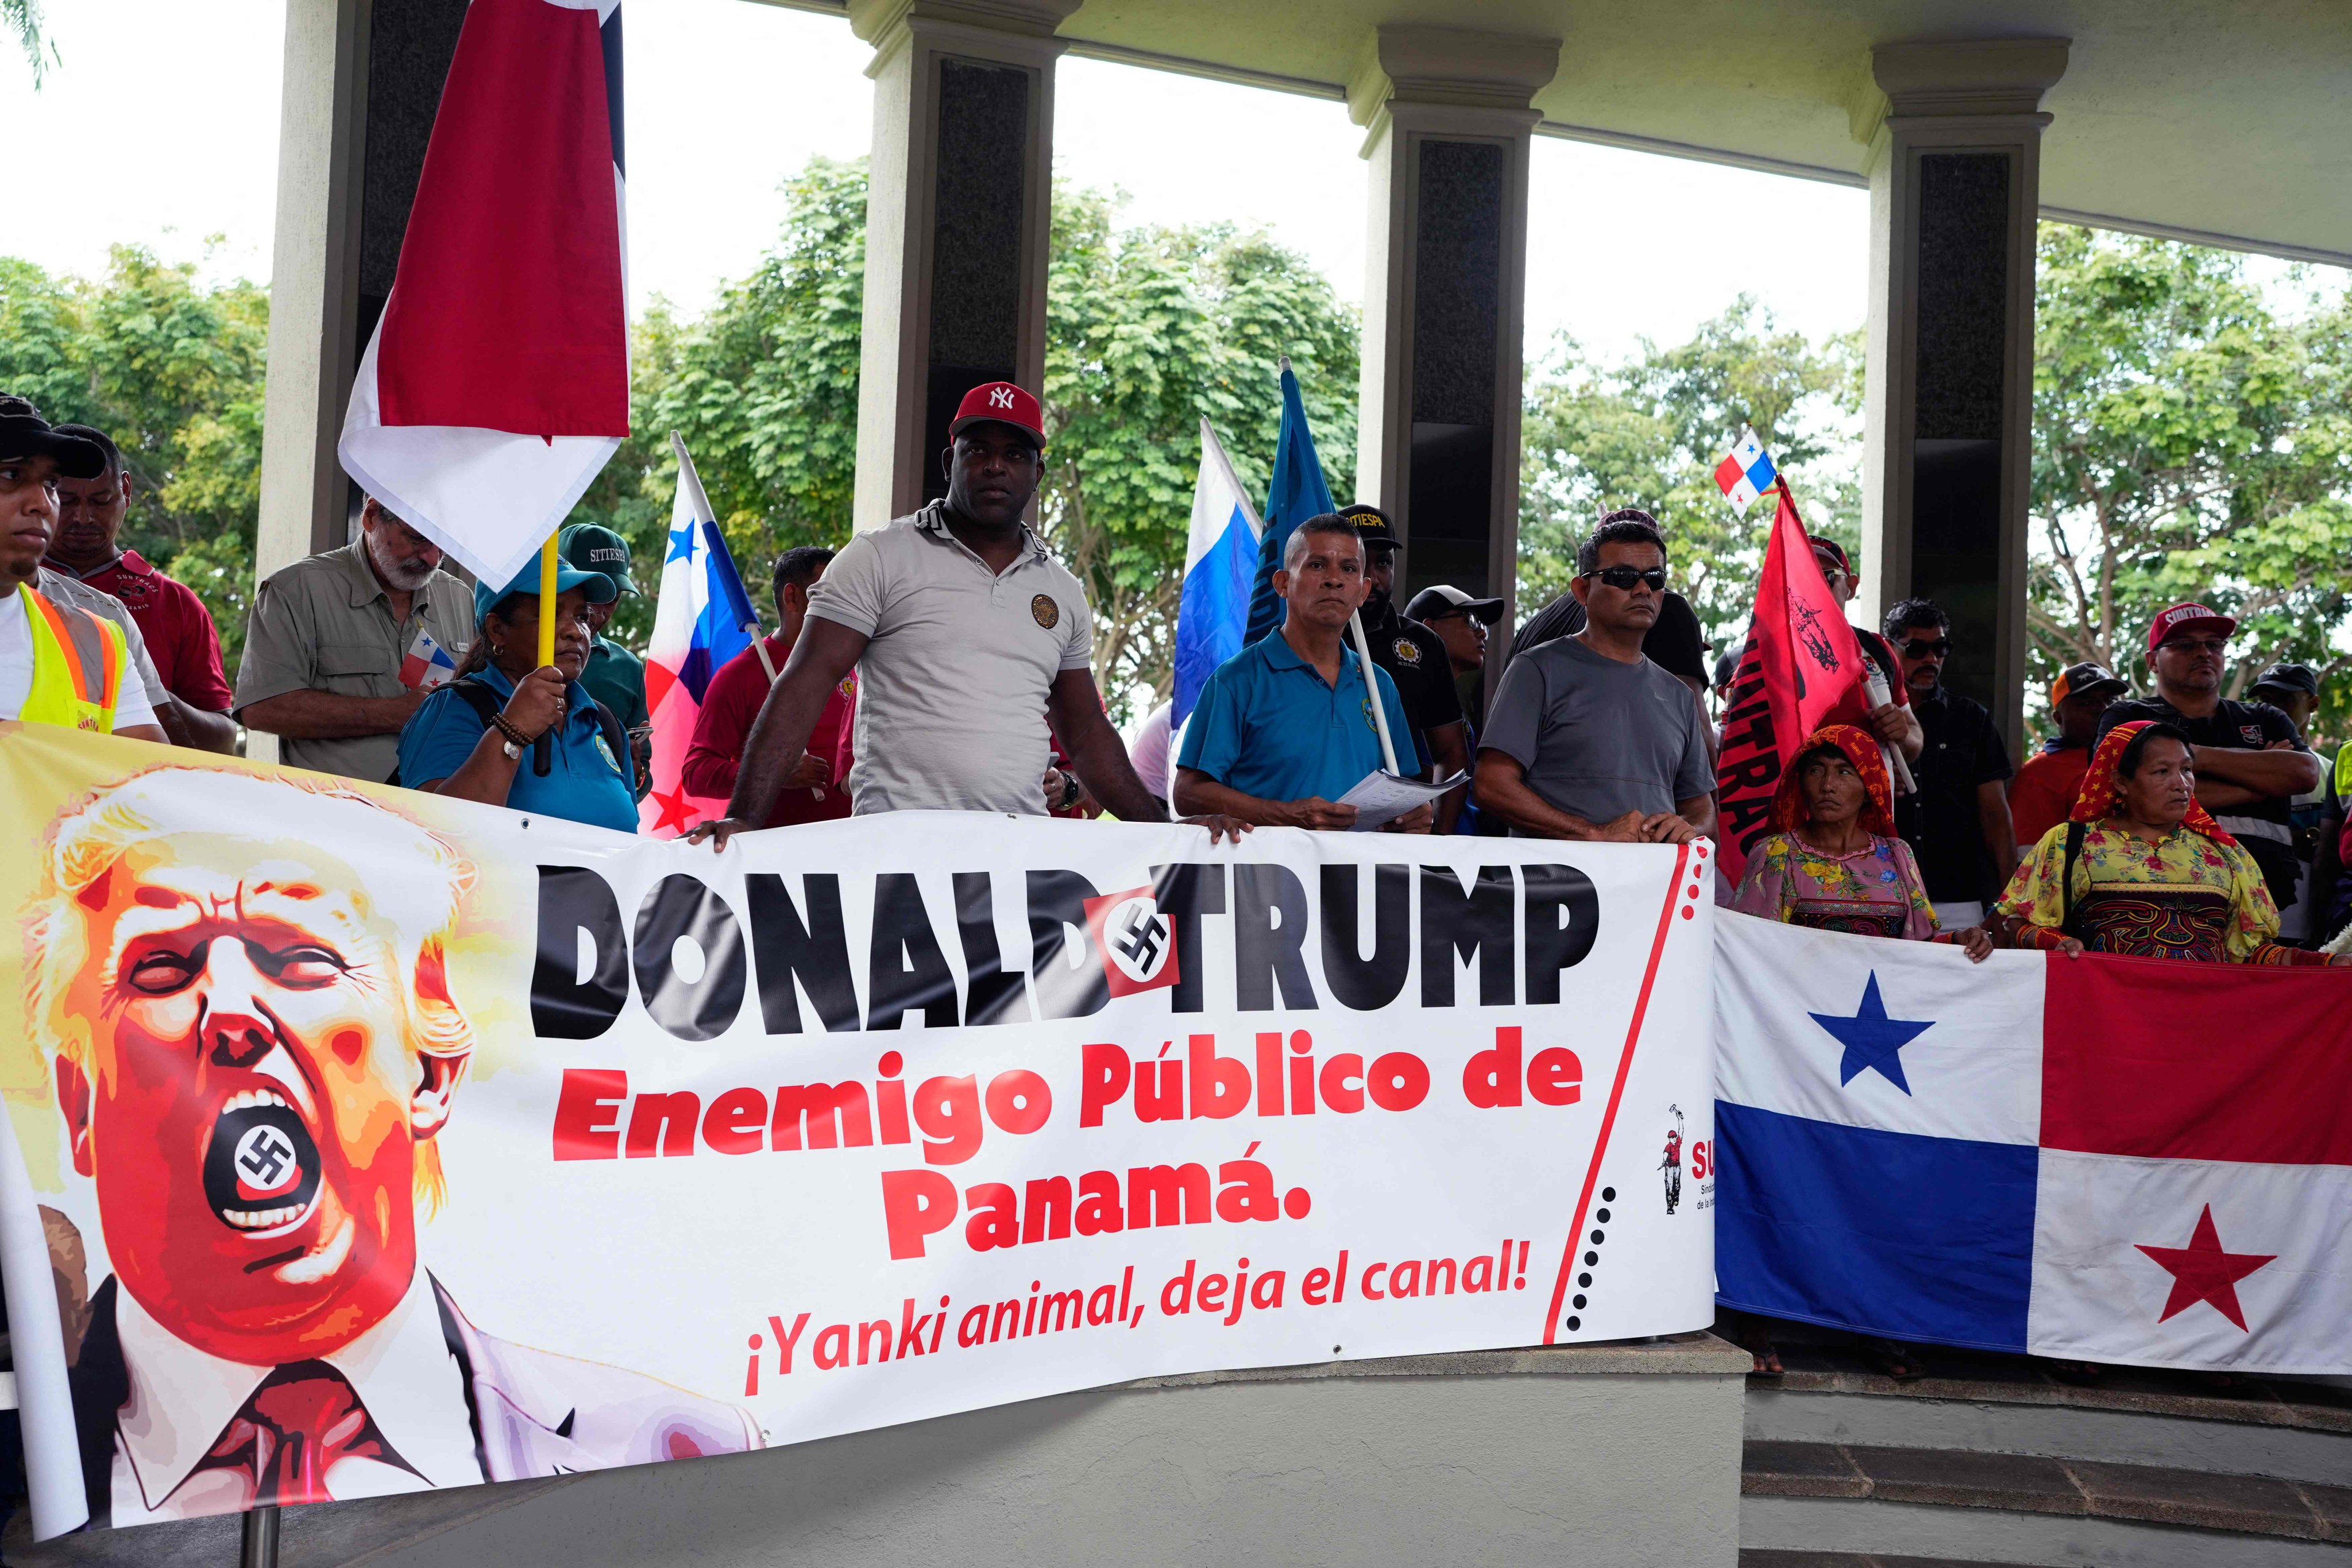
(1895, 1360)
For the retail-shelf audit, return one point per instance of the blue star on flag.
(681, 545)
(1872, 1039)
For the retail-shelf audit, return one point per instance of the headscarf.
(1789, 811)
(2103, 795)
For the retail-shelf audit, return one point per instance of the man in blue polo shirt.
(1284, 728)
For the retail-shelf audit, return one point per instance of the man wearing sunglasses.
(1958, 824)
(2250, 760)
(1588, 738)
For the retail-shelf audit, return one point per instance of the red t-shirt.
(730, 704)
(2042, 794)
(179, 630)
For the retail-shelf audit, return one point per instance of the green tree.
(2188, 443)
(23, 19)
(171, 368)
(1148, 331)
(1649, 431)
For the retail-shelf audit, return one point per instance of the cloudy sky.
(162, 121)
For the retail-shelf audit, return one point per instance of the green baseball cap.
(591, 548)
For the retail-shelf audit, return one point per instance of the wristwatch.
(513, 751)
(1070, 790)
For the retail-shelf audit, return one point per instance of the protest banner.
(379, 1142)
(2091, 1158)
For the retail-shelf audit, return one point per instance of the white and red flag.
(497, 383)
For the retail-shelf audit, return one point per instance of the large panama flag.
(2091, 1158)
(702, 619)
(497, 383)
(1220, 563)
(1296, 492)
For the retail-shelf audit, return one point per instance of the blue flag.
(1295, 493)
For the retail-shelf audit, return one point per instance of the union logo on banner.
(1137, 941)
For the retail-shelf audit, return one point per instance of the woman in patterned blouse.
(1834, 862)
(2143, 869)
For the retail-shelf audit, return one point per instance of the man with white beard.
(342, 647)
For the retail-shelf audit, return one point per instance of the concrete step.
(1752, 1558)
(2029, 1508)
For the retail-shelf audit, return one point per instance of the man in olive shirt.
(327, 639)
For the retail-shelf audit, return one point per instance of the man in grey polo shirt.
(967, 636)
(326, 640)
(1588, 739)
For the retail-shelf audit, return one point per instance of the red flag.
(497, 383)
(1802, 668)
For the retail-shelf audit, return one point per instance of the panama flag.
(702, 619)
(2091, 1158)
(1746, 471)
(1220, 560)
(497, 383)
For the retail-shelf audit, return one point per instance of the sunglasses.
(1922, 648)
(1624, 578)
(2196, 645)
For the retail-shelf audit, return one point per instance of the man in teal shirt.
(614, 675)
(1284, 728)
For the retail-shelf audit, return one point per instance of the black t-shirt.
(1673, 642)
(1962, 750)
(2266, 828)
(1416, 661)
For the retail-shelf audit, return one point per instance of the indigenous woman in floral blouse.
(2143, 869)
(1834, 862)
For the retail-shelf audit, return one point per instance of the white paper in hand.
(1380, 797)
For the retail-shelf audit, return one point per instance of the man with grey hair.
(1285, 727)
(327, 665)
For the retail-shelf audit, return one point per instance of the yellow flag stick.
(547, 602)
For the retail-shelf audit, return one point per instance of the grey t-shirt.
(952, 686)
(1598, 738)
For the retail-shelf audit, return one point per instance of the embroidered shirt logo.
(1047, 613)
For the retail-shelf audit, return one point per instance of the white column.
(1448, 113)
(313, 284)
(957, 210)
(1954, 130)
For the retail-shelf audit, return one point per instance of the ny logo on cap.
(1000, 398)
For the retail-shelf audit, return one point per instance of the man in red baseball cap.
(2251, 762)
(967, 636)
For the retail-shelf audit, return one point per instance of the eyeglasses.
(2196, 645)
(1623, 578)
(1922, 648)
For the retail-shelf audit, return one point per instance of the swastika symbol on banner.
(1000, 398)
(263, 1154)
(1142, 938)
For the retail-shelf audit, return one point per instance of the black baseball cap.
(25, 434)
(1444, 599)
(1372, 525)
(2289, 678)
(2084, 679)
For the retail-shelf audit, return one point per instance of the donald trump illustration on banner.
(252, 1052)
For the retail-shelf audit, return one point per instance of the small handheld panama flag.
(428, 665)
(1220, 560)
(1746, 471)
(497, 383)
(704, 618)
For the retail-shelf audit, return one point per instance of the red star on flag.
(2201, 1271)
(676, 811)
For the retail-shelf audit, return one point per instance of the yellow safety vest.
(78, 664)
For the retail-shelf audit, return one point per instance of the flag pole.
(542, 758)
(1373, 691)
